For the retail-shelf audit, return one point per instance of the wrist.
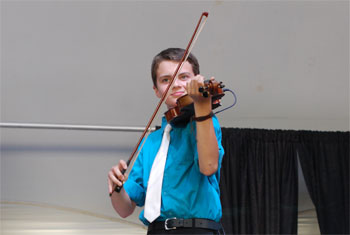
(202, 109)
(203, 118)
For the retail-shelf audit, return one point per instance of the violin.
(182, 113)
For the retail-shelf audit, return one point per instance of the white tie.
(154, 188)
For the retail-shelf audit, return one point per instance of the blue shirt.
(186, 192)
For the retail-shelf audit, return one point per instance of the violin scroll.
(184, 109)
(211, 87)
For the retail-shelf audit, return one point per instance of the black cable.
(234, 103)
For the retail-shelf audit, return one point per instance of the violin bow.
(137, 149)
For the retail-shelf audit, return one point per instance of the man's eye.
(184, 77)
(165, 80)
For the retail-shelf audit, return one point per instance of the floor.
(307, 223)
(29, 219)
(24, 218)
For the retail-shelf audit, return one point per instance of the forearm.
(122, 203)
(207, 146)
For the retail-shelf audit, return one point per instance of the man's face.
(165, 72)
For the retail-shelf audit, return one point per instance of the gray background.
(88, 62)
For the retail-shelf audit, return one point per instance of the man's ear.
(156, 91)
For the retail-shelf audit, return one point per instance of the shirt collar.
(164, 122)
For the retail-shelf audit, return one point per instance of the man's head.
(164, 66)
(175, 55)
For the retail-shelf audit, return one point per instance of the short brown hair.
(172, 54)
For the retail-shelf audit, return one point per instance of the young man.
(190, 195)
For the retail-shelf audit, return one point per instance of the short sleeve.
(219, 138)
(134, 186)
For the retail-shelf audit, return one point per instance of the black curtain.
(259, 182)
(324, 158)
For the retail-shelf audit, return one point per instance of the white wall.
(88, 62)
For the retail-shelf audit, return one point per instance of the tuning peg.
(221, 85)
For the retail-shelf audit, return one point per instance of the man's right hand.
(116, 176)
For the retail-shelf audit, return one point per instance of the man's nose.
(178, 82)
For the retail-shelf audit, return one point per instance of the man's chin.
(171, 105)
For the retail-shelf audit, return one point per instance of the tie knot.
(167, 128)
